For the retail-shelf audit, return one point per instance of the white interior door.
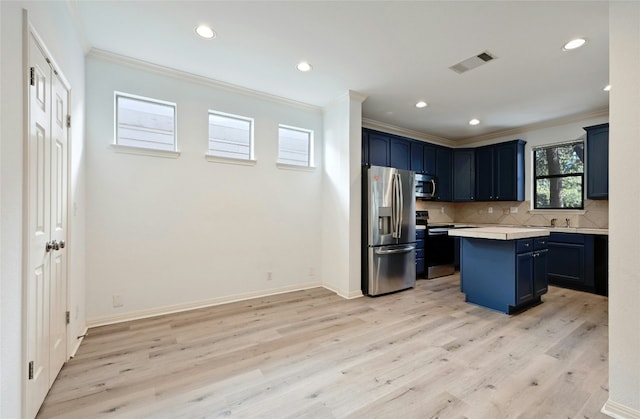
(46, 288)
(39, 271)
(58, 280)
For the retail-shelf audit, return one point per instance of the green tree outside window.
(559, 176)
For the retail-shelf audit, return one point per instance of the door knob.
(48, 247)
(62, 244)
(55, 245)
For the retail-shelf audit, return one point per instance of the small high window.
(145, 123)
(559, 176)
(230, 136)
(295, 146)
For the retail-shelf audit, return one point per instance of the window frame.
(537, 177)
(311, 155)
(226, 159)
(124, 148)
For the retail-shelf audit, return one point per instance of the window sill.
(228, 160)
(285, 166)
(118, 148)
(558, 211)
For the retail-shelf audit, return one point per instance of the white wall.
(168, 234)
(53, 23)
(624, 201)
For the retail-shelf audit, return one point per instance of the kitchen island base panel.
(493, 274)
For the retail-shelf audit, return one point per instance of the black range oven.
(439, 251)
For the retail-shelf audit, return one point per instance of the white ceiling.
(394, 52)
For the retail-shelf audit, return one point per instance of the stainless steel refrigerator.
(389, 230)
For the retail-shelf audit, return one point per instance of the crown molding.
(540, 125)
(392, 129)
(193, 78)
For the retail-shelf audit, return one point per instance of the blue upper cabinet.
(423, 157)
(379, 149)
(500, 172)
(365, 147)
(400, 153)
(430, 158)
(444, 160)
(389, 150)
(598, 161)
(464, 174)
(417, 156)
(484, 173)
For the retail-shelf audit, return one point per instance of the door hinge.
(68, 317)
(30, 370)
(68, 121)
(32, 76)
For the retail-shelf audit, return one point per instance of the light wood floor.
(421, 353)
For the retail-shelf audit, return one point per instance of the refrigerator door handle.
(394, 207)
(395, 250)
(401, 206)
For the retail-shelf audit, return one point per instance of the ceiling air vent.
(472, 62)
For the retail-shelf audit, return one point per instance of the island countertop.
(499, 233)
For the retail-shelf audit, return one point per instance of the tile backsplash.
(596, 214)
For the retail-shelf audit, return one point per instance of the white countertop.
(575, 230)
(499, 233)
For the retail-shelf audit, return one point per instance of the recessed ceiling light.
(304, 66)
(574, 43)
(474, 121)
(607, 88)
(205, 32)
(421, 104)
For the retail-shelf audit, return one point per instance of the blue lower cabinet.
(524, 277)
(504, 275)
(420, 264)
(570, 257)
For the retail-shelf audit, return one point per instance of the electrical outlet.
(514, 210)
(490, 210)
(441, 210)
(269, 276)
(117, 300)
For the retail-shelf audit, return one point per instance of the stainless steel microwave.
(426, 186)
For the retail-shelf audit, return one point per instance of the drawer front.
(420, 244)
(420, 234)
(419, 253)
(540, 243)
(524, 245)
(567, 238)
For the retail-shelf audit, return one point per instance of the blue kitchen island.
(503, 268)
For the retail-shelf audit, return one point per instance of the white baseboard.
(619, 411)
(159, 311)
(348, 295)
